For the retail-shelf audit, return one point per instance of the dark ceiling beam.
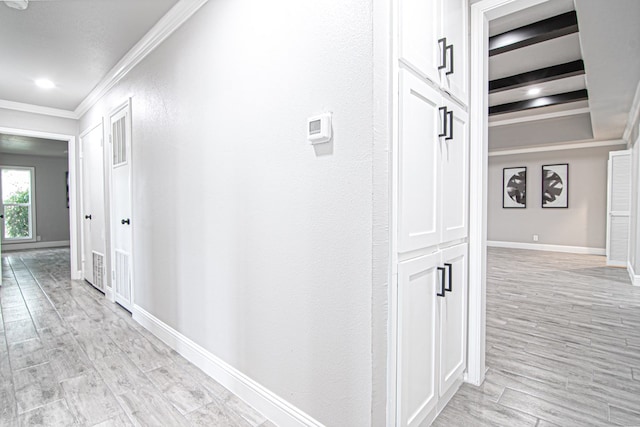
(543, 101)
(547, 29)
(542, 75)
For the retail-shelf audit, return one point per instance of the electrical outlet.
(535, 237)
(38, 238)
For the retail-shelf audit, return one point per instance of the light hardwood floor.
(69, 357)
(563, 345)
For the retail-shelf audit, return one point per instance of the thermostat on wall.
(319, 128)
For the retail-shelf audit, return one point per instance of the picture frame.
(514, 187)
(555, 186)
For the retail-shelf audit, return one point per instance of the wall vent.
(98, 270)
(119, 140)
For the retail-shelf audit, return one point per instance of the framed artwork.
(555, 186)
(514, 187)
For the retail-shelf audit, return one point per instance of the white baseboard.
(635, 279)
(8, 247)
(275, 408)
(550, 248)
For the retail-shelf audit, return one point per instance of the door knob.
(126, 221)
(87, 217)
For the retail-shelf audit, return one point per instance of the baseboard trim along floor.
(278, 410)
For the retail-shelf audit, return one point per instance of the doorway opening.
(39, 192)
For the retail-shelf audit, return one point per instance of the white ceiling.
(74, 43)
(26, 145)
(608, 42)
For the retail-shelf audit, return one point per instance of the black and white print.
(514, 186)
(555, 190)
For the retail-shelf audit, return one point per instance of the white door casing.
(121, 207)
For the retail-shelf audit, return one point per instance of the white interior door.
(619, 205)
(93, 207)
(120, 138)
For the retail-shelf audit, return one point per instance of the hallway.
(69, 357)
(563, 345)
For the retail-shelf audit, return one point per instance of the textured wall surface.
(248, 240)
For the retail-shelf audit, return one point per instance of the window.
(17, 203)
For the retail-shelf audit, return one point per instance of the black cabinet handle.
(87, 217)
(450, 268)
(443, 110)
(450, 49)
(441, 293)
(126, 221)
(450, 120)
(442, 43)
(447, 123)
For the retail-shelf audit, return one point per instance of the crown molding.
(37, 109)
(559, 147)
(634, 114)
(182, 11)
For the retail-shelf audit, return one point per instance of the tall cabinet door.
(455, 175)
(453, 318)
(454, 77)
(418, 36)
(419, 164)
(418, 283)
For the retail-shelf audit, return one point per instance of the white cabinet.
(433, 167)
(453, 320)
(454, 158)
(433, 40)
(431, 215)
(432, 294)
(418, 284)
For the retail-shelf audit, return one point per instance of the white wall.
(37, 122)
(582, 224)
(52, 214)
(248, 240)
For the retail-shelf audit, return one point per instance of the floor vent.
(98, 271)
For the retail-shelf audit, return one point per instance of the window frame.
(32, 207)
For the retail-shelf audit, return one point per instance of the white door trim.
(481, 13)
(76, 273)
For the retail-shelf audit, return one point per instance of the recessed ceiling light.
(533, 91)
(17, 4)
(45, 84)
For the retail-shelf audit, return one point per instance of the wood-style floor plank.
(70, 357)
(563, 344)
